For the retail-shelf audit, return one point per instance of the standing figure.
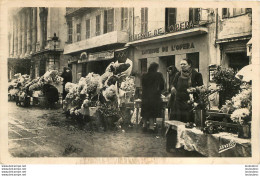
(152, 87)
(172, 71)
(186, 78)
(52, 95)
(67, 77)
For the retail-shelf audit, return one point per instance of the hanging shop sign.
(72, 59)
(178, 47)
(161, 31)
(101, 56)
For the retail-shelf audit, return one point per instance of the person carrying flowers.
(152, 87)
(186, 78)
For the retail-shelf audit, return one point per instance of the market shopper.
(172, 71)
(52, 95)
(187, 77)
(152, 87)
(67, 77)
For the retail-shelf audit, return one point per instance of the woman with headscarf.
(152, 87)
(67, 77)
(186, 78)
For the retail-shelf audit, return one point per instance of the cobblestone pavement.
(36, 132)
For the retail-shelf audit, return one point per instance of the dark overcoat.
(152, 87)
(182, 111)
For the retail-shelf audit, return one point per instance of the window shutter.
(105, 21)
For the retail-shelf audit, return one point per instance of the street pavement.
(36, 132)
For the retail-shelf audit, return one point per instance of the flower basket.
(199, 117)
(42, 101)
(244, 131)
(92, 111)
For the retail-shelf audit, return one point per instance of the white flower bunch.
(128, 85)
(239, 115)
(92, 81)
(243, 98)
(71, 87)
(13, 91)
(110, 93)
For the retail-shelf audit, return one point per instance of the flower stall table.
(212, 145)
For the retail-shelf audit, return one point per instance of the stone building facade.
(36, 40)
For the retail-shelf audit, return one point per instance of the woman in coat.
(187, 77)
(152, 87)
(67, 77)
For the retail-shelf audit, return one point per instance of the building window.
(194, 15)
(124, 18)
(70, 30)
(98, 25)
(143, 65)
(238, 11)
(229, 12)
(87, 28)
(195, 58)
(144, 20)
(170, 17)
(108, 21)
(225, 13)
(78, 32)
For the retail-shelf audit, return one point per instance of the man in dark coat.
(67, 77)
(152, 87)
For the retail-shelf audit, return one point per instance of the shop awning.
(170, 36)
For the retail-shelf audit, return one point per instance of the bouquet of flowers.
(110, 93)
(128, 84)
(92, 81)
(240, 106)
(241, 116)
(199, 96)
(52, 77)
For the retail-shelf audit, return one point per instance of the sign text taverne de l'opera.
(161, 31)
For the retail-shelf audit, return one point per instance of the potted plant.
(229, 84)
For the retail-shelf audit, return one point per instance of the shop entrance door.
(164, 63)
(238, 60)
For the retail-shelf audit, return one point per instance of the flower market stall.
(17, 90)
(225, 132)
(99, 99)
(26, 91)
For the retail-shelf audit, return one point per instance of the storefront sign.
(101, 56)
(170, 29)
(177, 47)
(72, 59)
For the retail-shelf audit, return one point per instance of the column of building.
(29, 31)
(34, 29)
(19, 35)
(15, 36)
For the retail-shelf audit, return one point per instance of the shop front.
(169, 52)
(96, 62)
(234, 52)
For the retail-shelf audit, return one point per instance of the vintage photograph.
(129, 82)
